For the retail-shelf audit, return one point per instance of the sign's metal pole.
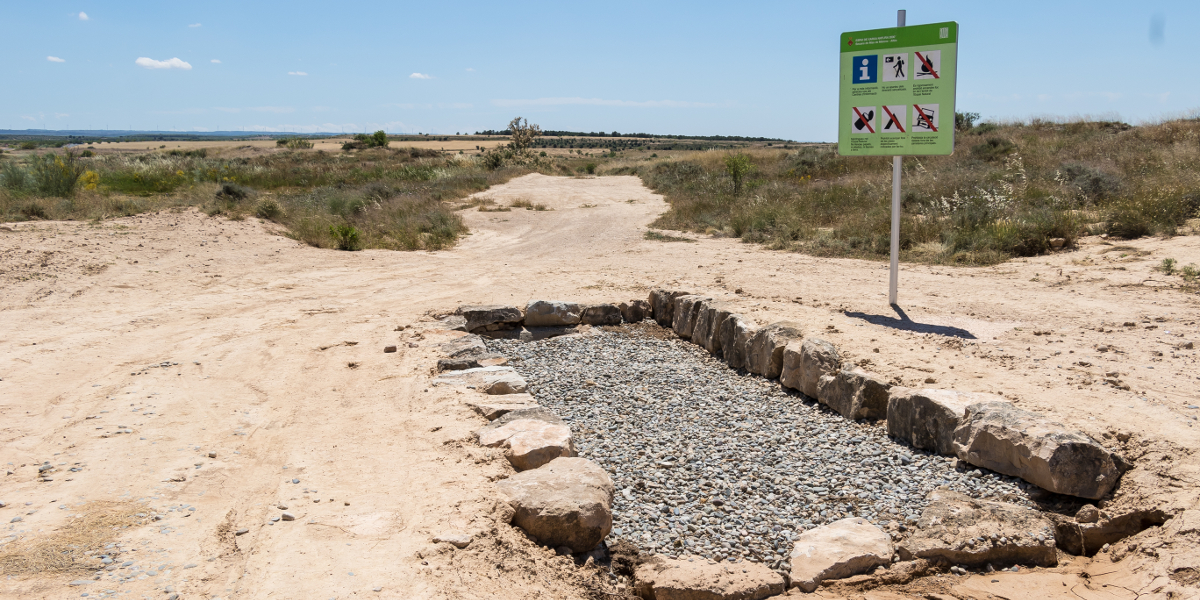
(894, 280)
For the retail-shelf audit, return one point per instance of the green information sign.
(897, 91)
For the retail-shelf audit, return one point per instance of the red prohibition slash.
(928, 65)
(894, 119)
(925, 118)
(866, 123)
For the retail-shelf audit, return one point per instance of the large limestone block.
(661, 578)
(601, 314)
(635, 311)
(927, 418)
(567, 502)
(706, 332)
(686, 308)
(489, 380)
(490, 317)
(494, 407)
(818, 358)
(838, 550)
(765, 356)
(550, 313)
(855, 394)
(736, 332)
(662, 303)
(791, 375)
(1006, 439)
(958, 530)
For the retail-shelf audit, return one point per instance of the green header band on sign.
(900, 37)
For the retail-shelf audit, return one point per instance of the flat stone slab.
(927, 418)
(528, 442)
(1006, 439)
(838, 550)
(663, 578)
(466, 345)
(493, 407)
(457, 539)
(1087, 538)
(567, 502)
(958, 530)
(489, 380)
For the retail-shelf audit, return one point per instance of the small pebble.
(287, 516)
(242, 532)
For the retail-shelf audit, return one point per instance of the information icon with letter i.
(866, 69)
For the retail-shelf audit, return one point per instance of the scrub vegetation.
(1007, 191)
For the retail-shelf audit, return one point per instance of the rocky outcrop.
(927, 418)
(955, 529)
(549, 313)
(1087, 535)
(467, 345)
(662, 304)
(661, 578)
(490, 317)
(686, 308)
(854, 394)
(818, 358)
(635, 311)
(765, 353)
(838, 550)
(1006, 439)
(601, 314)
(567, 502)
(494, 407)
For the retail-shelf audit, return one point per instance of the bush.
(268, 209)
(984, 128)
(234, 192)
(738, 166)
(361, 140)
(993, 149)
(27, 146)
(346, 237)
(14, 177)
(965, 121)
(1093, 183)
(590, 168)
(295, 143)
(33, 210)
(56, 174)
(87, 154)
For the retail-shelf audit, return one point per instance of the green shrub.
(361, 140)
(346, 237)
(984, 128)
(87, 154)
(590, 168)
(56, 174)
(27, 146)
(738, 166)
(1167, 266)
(234, 192)
(993, 149)
(1093, 183)
(268, 209)
(965, 121)
(14, 177)
(33, 210)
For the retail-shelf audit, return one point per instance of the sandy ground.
(281, 374)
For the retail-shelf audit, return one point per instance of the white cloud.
(55, 59)
(216, 62)
(173, 63)
(83, 17)
(194, 25)
(470, 70)
(300, 73)
(28, 118)
(601, 102)
(420, 76)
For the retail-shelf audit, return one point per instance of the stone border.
(566, 502)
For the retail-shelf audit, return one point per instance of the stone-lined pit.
(718, 463)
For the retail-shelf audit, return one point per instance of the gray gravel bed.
(713, 462)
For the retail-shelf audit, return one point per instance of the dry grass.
(72, 547)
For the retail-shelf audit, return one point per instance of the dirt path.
(281, 373)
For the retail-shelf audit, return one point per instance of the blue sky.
(711, 68)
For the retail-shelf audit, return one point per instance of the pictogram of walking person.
(898, 68)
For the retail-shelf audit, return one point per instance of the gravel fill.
(713, 462)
